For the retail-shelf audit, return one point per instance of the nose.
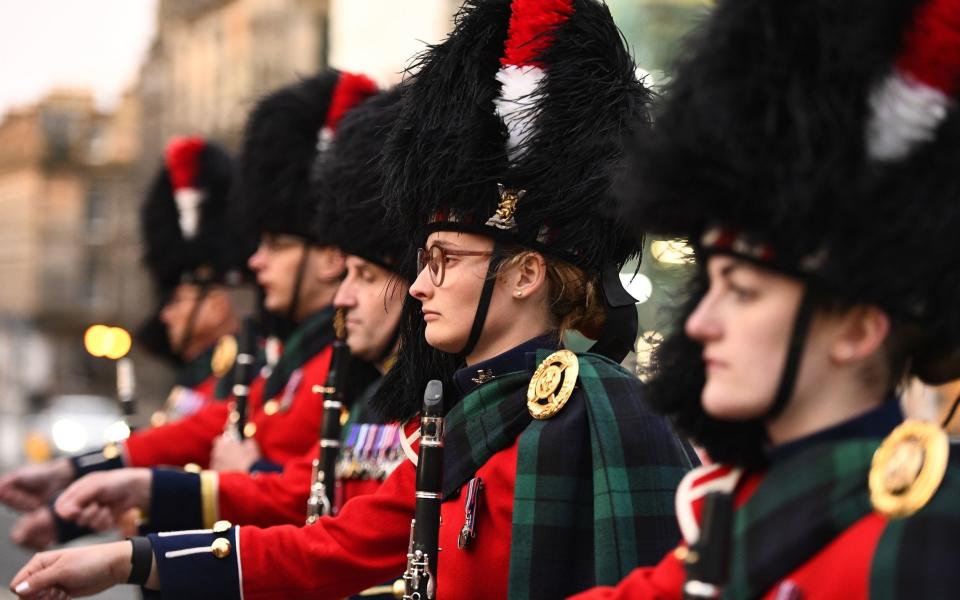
(257, 260)
(345, 296)
(702, 324)
(422, 287)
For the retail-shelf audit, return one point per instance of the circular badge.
(224, 355)
(552, 384)
(907, 468)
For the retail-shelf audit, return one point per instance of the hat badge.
(503, 217)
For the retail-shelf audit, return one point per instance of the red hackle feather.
(532, 23)
(351, 90)
(932, 47)
(182, 160)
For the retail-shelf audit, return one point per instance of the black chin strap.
(298, 283)
(791, 366)
(192, 320)
(480, 317)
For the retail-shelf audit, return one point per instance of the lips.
(712, 363)
(430, 315)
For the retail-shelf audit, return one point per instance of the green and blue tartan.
(594, 488)
(804, 503)
(310, 337)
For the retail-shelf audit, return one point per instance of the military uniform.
(366, 543)
(185, 500)
(791, 537)
(791, 141)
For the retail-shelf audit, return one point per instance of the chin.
(728, 405)
(442, 342)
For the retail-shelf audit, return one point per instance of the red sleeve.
(662, 582)
(267, 499)
(363, 546)
(187, 440)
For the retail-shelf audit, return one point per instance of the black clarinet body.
(420, 578)
(323, 488)
(243, 373)
(708, 560)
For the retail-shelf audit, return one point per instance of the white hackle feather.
(516, 104)
(905, 112)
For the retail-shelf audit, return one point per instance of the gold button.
(271, 407)
(234, 416)
(249, 430)
(220, 547)
(192, 468)
(399, 588)
(221, 526)
(110, 451)
(681, 553)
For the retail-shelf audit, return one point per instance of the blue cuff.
(189, 568)
(265, 466)
(175, 500)
(97, 461)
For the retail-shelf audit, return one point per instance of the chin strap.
(192, 321)
(298, 283)
(480, 317)
(619, 332)
(791, 365)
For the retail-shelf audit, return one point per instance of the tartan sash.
(918, 557)
(312, 336)
(800, 506)
(594, 488)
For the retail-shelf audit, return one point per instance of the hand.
(229, 454)
(35, 530)
(100, 499)
(32, 486)
(74, 572)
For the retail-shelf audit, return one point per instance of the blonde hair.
(573, 297)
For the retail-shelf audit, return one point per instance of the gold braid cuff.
(209, 491)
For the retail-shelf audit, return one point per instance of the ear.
(862, 332)
(529, 275)
(329, 263)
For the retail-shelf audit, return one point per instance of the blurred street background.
(91, 90)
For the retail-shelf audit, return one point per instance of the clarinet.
(323, 488)
(126, 391)
(243, 371)
(420, 578)
(707, 561)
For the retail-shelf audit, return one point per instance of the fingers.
(78, 496)
(35, 530)
(36, 577)
(16, 495)
(95, 516)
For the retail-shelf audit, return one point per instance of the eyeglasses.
(435, 257)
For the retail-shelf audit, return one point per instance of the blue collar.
(877, 423)
(518, 358)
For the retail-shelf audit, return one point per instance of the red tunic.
(841, 570)
(356, 557)
(282, 436)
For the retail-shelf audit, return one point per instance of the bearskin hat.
(350, 174)
(818, 139)
(284, 134)
(512, 128)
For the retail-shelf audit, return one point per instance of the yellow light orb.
(118, 343)
(94, 339)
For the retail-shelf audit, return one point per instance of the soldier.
(517, 248)
(820, 186)
(298, 268)
(371, 297)
(196, 265)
